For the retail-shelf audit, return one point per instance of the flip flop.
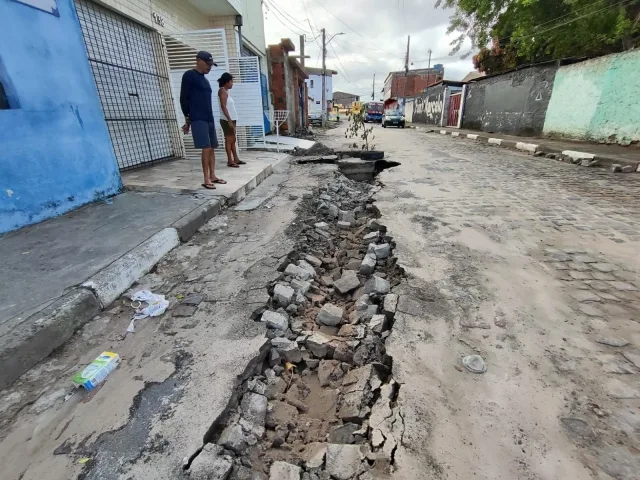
(220, 181)
(232, 165)
(209, 186)
(240, 162)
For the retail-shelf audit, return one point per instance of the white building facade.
(314, 90)
(133, 47)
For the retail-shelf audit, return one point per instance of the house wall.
(597, 100)
(428, 106)
(56, 150)
(415, 83)
(316, 91)
(514, 103)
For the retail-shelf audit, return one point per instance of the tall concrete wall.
(427, 108)
(56, 151)
(597, 100)
(514, 103)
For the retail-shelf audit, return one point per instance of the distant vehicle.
(373, 112)
(393, 114)
(356, 108)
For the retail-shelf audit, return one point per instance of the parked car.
(394, 118)
(315, 117)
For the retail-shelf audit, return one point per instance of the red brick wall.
(415, 84)
(276, 56)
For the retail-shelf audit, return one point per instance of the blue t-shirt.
(195, 96)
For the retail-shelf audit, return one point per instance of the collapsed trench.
(320, 400)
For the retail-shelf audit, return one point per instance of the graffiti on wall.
(428, 107)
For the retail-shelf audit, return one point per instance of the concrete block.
(455, 134)
(283, 294)
(275, 320)
(443, 132)
(23, 345)
(112, 281)
(472, 136)
(382, 251)
(495, 141)
(368, 265)
(284, 471)
(330, 315)
(527, 147)
(574, 155)
(349, 281)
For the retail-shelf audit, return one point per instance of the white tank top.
(231, 108)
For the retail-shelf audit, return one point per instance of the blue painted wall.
(55, 151)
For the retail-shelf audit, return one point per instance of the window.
(311, 83)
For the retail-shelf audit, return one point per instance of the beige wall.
(253, 28)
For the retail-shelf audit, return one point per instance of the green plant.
(358, 129)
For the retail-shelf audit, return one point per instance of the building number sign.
(158, 19)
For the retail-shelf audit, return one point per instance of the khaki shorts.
(226, 128)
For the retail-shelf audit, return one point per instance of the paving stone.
(296, 271)
(275, 320)
(330, 315)
(577, 266)
(184, 311)
(370, 237)
(613, 341)
(344, 434)
(602, 276)
(349, 281)
(283, 294)
(585, 259)
(574, 250)
(300, 286)
(558, 257)
(561, 266)
(621, 390)
(343, 461)
(585, 296)
(254, 408)
(346, 216)
(308, 267)
(604, 267)
(590, 310)
(633, 356)
(321, 226)
(287, 349)
(378, 323)
(382, 251)
(284, 471)
(374, 224)
(368, 265)
(377, 286)
(233, 438)
(315, 261)
(623, 286)
(625, 276)
(354, 264)
(597, 285)
(608, 297)
(193, 299)
(363, 302)
(211, 464)
(580, 275)
(318, 344)
(344, 225)
(389, 305)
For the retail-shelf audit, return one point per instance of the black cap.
(207, 57)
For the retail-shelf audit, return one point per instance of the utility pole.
(429, 69)
(373, 89)
(406, 74)
(324, 73)
(302, 50)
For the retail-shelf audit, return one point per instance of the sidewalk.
(606, 155)
(104, 247)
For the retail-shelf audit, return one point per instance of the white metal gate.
(246, 92)
(132, 78)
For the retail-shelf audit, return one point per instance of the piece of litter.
(83, 460)
(474, 363)
(108, 202)
(95, 373)
(156, 305)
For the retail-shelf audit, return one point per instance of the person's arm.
(185, 97)
(223, 95)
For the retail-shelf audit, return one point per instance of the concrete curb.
(112, 281)
(188, 225)
(37, 336)
(575, 157)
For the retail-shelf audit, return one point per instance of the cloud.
(374, 40)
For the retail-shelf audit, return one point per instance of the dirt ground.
(534, 265)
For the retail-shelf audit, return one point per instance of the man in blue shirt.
(195, 101)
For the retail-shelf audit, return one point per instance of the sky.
(374, 40)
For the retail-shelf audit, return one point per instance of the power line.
(282, 19)
(338, 18)
(284, 13)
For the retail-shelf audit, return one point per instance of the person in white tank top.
(228, 120)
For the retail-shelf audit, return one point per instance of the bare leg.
(206, 170)
(212, 164)
(234, 150)
(228, 147)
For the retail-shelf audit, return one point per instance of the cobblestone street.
(534, 265)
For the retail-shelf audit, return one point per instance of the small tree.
(359, 129)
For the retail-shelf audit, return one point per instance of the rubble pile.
(323, 404)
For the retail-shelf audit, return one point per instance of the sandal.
(240, 162)
(220, 181)
(233, 165)
(209, 186)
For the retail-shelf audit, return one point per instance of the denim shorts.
(204, 134)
